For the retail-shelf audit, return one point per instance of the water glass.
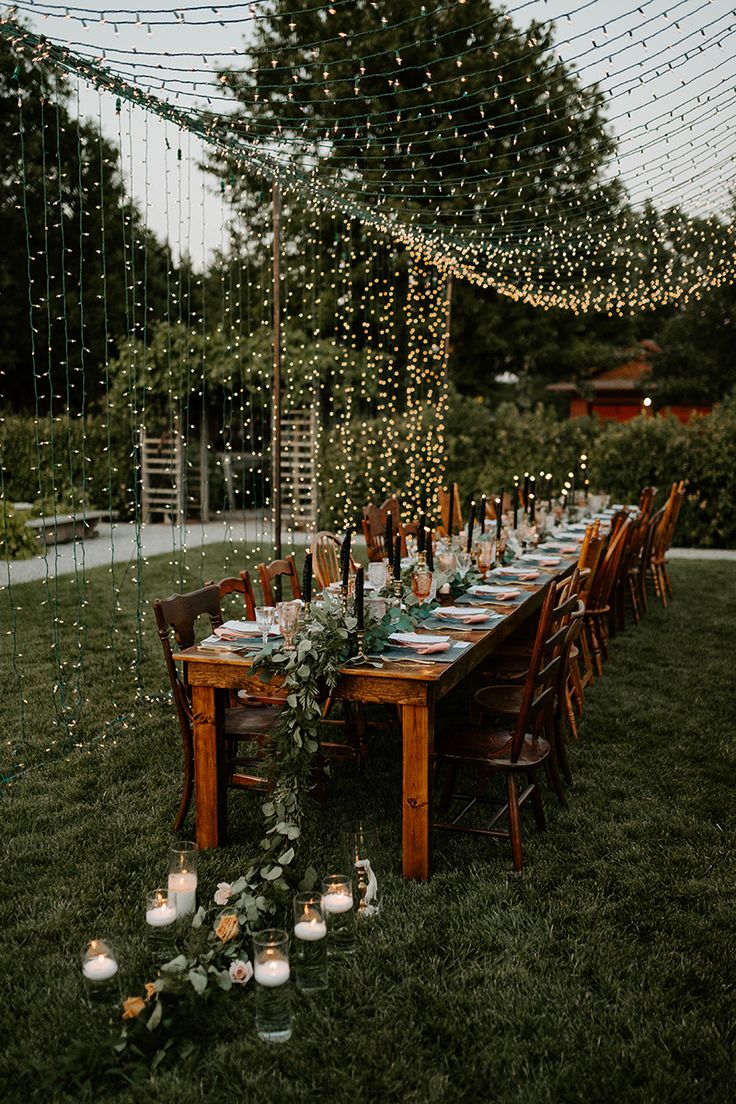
(377, 575)
(485, 556)
(264, 620)
(464, 563)
(271, 972)
(447, 562)
(310, 942)
(362, 850)
(161, 924)
(337, 905)
(288, 621)
(183, 876)
(100, 973)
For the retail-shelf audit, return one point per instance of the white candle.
(272, 972)
(337, 902)
(100, 968)
(310, 930)
(160, 916)
(185, 888)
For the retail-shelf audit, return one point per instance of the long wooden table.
(415, 687)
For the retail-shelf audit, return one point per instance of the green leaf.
(155, 1018)
(268, 808)
(291, 701)
(270, 873)
(303, 672)
(287, 856)
(239, 885)
(176, 966)
(309, 880)
(198, 918)
(198, 980)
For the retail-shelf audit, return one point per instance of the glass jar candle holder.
(337, 904)
(271, 972)
(183, 876)
(362, 850)
(161, 924)
(310, 943)
(100, 972)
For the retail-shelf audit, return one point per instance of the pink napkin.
(552, 561)
(228, 634)
(527, 577)
(425, 649)
(468, 619)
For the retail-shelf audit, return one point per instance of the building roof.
(632, 376)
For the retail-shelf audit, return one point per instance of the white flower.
(445, 588)
(241, 972)
(222, 896)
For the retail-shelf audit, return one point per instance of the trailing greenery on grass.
(602, 973)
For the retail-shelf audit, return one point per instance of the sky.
(668, 68)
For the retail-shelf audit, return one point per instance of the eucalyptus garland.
(214, 952)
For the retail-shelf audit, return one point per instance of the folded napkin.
(237, 630)
(413, 640)
(498, 593)
(462, 616)
(543, 561)
(519, 574)
(565, 547)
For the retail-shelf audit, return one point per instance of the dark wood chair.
(598, 603)
(281, 570)
(326, 558)
(457, 512)
(179, 615)
(515, 752)
(663, 542)
(241, 584)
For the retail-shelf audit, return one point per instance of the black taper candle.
(499, 516)
(471, 523)
(307, 578)
(397, 557)
(345, 557)
(516, 505)
(525, 493)
(420, 533)
(428, 549)
(532, 487)
(388, 537)
(359, 597)
(482, 514)
(532, 507)
(451, 510)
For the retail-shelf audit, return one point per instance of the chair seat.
(502, 701)
(491, 747)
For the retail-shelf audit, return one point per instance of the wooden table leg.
(210, 791)
(417, 724)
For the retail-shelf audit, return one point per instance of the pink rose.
(241, 972)
(222, 896)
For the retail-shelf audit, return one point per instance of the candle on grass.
(272, 972)
(101, 967)
(310, 930)
(160, 912)
(184, 885)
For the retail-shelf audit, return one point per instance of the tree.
(73, 238)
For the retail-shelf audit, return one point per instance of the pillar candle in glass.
(337, 905)
(183, 876)
(362, 852)
(100, 973)
(271, 973)
(161, 924)
(310, 942)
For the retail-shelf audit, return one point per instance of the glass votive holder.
(337, 905)
(377, 575)
(183, 876)
(101, 973)
(271, 972)
(161, 924)
(310, 943)
(362, 850)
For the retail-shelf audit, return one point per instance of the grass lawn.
(603, 973)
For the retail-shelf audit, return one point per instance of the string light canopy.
(588, 172)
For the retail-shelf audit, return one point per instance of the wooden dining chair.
(325, 550)
(598, 601)
(663, 542)
(179, 615)
(374, 531)
(516, 752)
(281, 570)
(241, 584)
(457, 512)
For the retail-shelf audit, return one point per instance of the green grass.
(604, 973)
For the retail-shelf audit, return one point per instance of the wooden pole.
(276, 422)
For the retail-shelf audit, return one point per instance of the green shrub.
(16, 542)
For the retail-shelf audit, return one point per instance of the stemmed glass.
(447, 562)
(464, 561)
(485, 557)
(421, 584)
(264, 620)
(288, 621)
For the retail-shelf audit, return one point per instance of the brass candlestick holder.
(344, 599)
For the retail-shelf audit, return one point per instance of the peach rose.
(241, 972)
(150, 990)
(227, 928)
(132, 1007)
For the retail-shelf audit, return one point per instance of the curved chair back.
(278, 569)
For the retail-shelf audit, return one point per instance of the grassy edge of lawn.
(603, 973)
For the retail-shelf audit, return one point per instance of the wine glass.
(447, 562)
(264, 620)
(485, 557)
(377, 575)
(464, 561)
(421, 584)
(288, 620)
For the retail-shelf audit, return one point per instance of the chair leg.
(553, 775)
(447, 789)
(517, 849)
(561, 746)
(537, 801)
(596, 650)
(576, 683)
(666, 576)
(188, 785)
(585, 649)
(572, 723)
